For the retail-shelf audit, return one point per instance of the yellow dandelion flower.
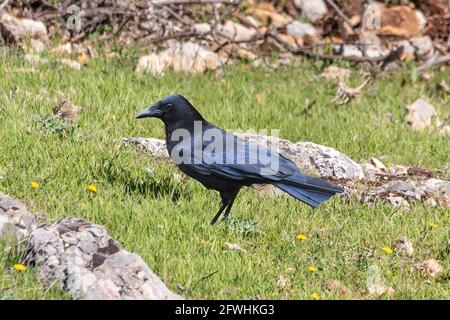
(301, 237)
(388, 250)
(432, 225)
(312, 269)
(92, 188)
(20, 267)
(315, 296)
(35, 185)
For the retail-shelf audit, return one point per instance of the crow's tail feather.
(313, 191)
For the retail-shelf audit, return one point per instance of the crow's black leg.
(224, 205)
(227, 202)
(227, 212)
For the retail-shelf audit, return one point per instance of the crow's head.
(170, 109)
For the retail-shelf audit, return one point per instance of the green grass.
(166, 220)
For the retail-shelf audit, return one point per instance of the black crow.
(221, 161)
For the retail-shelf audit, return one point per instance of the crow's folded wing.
(245, 160)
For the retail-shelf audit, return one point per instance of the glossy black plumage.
(227, 169)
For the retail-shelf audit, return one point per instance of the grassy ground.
(166, 219)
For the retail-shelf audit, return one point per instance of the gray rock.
(373, 169)
(408, 48)
(423, 45)
(437, 186)
(314, 10)
(36, 46)
(327, 162)
(300, 29)
(420, 114)
(253, 22)
(16, 30)
(397, 193)
(15, 221)
(397, 186)
(397, 202)
(398, 170)
(404, 246)
(236, 31)
(349, 50)
(372, 45)
(85, 261)
(201, 28)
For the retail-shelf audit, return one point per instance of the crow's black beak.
(153, 111)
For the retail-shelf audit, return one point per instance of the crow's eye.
(169, 106)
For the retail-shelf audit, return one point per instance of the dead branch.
(433, 61)
(312, 54)
(229, 41)
(178, 35)
(340, 13)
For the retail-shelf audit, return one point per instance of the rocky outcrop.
(15, 30)
(80, 257)
(87, 262)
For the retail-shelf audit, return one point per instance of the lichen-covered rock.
(437, 186)
(83, 259)
(15, 221)
(327, 162)
(155, 147)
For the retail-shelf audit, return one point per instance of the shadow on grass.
(153, 185)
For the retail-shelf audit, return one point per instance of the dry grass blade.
(345, 94)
